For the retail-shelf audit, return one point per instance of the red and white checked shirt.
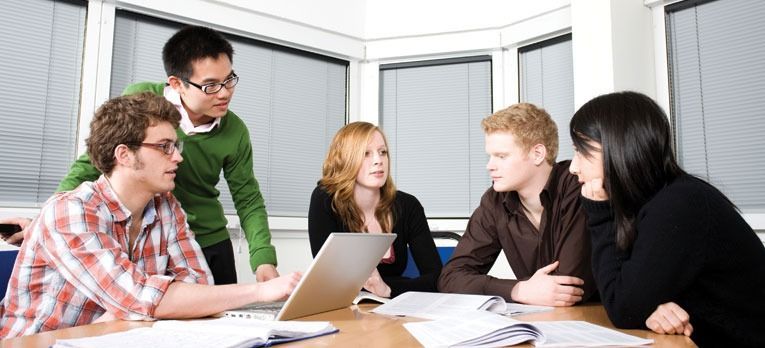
(75, 262)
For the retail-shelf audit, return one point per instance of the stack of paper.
(474, 328)
(481, 321)
(485, 329)
(219, 333)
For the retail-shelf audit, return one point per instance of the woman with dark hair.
(357, 194)
(669, 251)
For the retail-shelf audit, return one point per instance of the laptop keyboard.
(268, 306)
(262, 311)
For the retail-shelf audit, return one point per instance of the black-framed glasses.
(215, 87)
(168, 147)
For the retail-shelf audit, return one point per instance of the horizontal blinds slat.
(40, 114)
(428, 113)
(547, 81)
(480, 107)
(718, 96)
(300, 117)
(137, 50)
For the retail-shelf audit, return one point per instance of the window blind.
(547, 81)
(717, 74)
(431, 113)
(41, 65)
(292, 102)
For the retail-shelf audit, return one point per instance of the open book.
(433, 305)
(486, 329)
(220, 333)
(366, 296)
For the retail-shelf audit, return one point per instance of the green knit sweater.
(227, 148)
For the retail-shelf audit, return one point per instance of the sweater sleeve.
(321, 219)
(249, 202)
(663, 260)
(81, 170)
(423, 249)
(475, 254)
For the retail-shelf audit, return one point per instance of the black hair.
(638, 158)
(190, 44)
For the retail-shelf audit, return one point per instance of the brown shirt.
(499, 223)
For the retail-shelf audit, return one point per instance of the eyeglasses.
(215, 87)
(168, 147)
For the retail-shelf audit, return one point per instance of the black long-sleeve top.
(411, 228)
(692, 248)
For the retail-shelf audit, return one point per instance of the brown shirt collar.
(512, 201)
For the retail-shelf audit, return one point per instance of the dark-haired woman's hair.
(638, 159)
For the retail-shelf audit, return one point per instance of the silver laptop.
(332, 281)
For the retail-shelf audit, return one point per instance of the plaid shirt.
(75, 262)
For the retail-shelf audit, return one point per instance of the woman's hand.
(594, 190)
(669, 318)
(376, 285)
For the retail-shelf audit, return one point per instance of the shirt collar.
(513, 201)
(187, 127)
(119, 210)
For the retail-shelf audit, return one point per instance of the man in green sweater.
(200, 83)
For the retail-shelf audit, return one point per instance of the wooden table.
(359, 328)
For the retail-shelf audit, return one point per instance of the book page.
(150, 337)
(473, 328)
(368, 296)
(519, 308)
(584, 334)
(432, 305)
(220, 333)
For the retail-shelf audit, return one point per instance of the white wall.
(613, 48)
(387, 19)
(345, 17)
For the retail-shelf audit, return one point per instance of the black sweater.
(411, 229)
(692, 248)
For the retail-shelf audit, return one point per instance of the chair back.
(446, 241)
(7, 259)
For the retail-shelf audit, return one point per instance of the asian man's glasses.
(215, 87)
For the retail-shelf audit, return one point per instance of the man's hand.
(548, 290)
(17, 237)
(594, 191)
(376, 285)
(278, 289)
(669, 318)
(265, 272)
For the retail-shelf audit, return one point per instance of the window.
(292, 101)
(547, 80)
(41, 66)
(431, 113)
(717, 77)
